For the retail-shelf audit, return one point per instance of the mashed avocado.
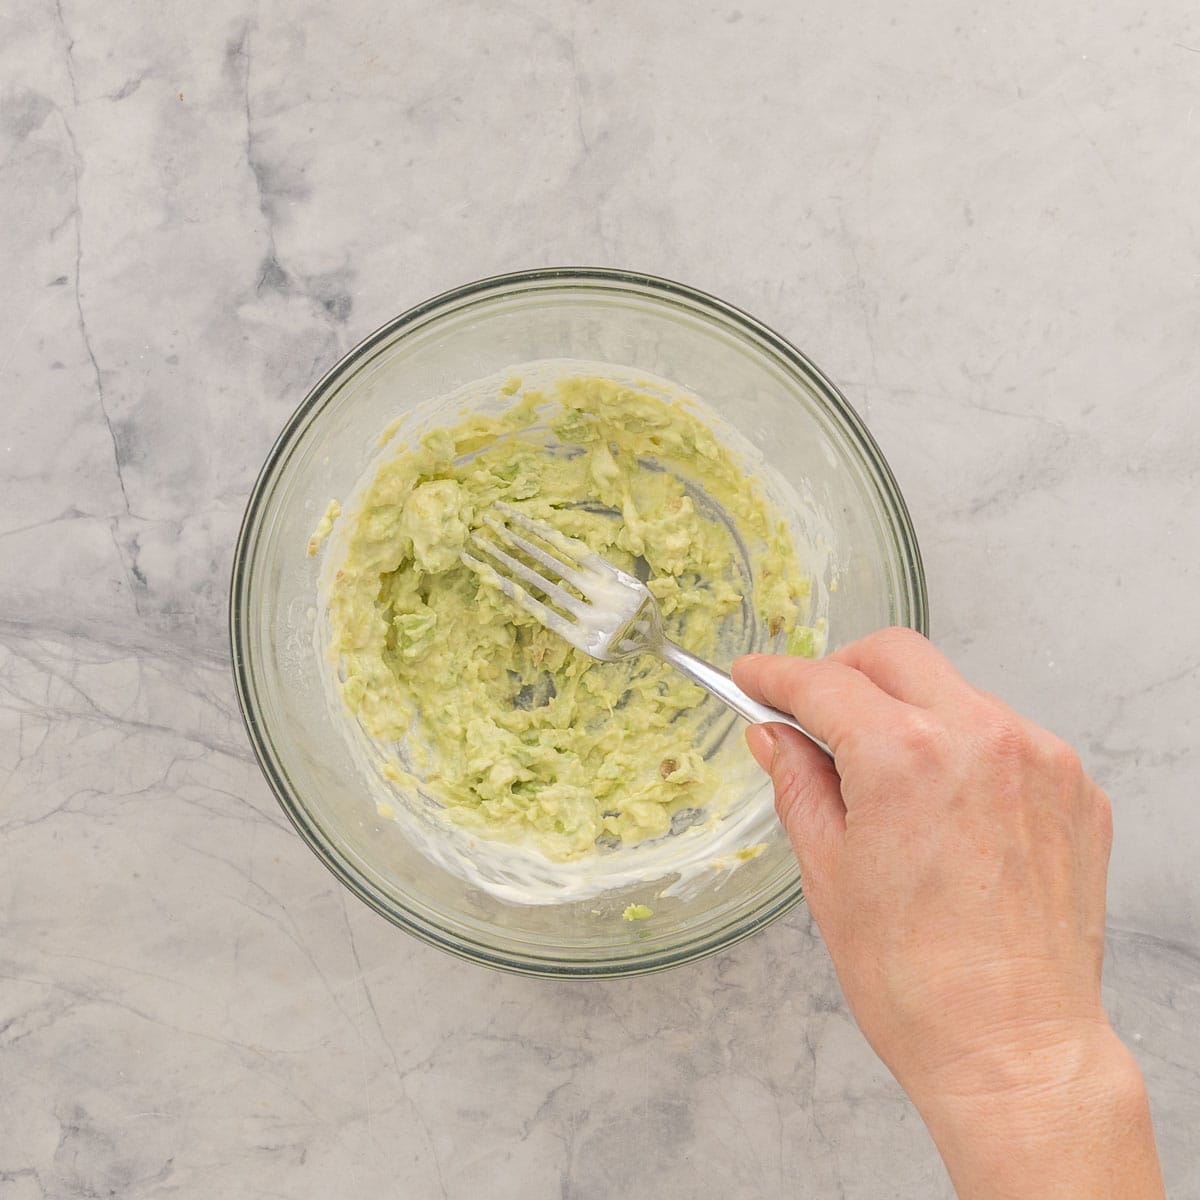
(514, 732)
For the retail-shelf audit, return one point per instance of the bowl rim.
(412, 319)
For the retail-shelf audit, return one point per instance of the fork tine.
(563, 543)
(534, 607)
(563, 570)
(558, 594)
(577, 555)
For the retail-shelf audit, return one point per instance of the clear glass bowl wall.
(762, 386)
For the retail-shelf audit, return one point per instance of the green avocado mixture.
(518, 735)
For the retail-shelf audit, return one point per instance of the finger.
(808, 799)
(835, 702)
(907, 665)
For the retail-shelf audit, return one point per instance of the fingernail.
(762, 740)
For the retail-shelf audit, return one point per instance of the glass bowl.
(776, 400)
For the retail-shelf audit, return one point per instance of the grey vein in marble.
(981, 221)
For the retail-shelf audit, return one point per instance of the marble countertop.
(981, 220)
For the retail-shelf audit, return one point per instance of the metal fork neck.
(722, 686)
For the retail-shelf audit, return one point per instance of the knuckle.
(791, 795)
(920, 738)
(1063, 759)
(898, 637)
(810, 680)
(796, 694)
(1006, 738)
(893, 642)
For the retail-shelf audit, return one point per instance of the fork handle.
(716, 681)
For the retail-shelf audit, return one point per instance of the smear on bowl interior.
(518, 736)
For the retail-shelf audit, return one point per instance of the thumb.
(808, 797)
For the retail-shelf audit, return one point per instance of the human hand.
(954, 856)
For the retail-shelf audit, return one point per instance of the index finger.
(833, 700)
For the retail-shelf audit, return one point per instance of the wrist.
(1063, 1114)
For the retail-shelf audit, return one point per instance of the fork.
(615, 616)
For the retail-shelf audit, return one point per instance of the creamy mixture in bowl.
(461, 771)
(499, 725)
